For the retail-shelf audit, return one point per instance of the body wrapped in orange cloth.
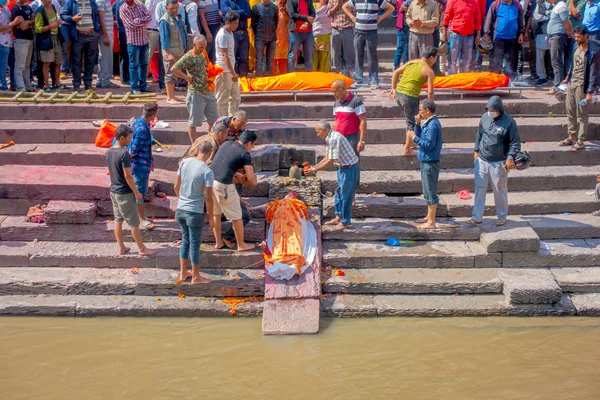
(291, 239)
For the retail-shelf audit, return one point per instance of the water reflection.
(393, 358)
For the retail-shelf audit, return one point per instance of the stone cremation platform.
(544, 261)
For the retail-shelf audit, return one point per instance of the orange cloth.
(293, 81)
(286, 216)
(471, 81)
(283, 33)
(212, 71)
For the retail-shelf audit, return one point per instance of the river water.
(386, 358)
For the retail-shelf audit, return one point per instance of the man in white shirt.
(227, 87)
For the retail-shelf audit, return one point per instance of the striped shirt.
(211, 11)
(108, 21)
(346, 114)
(339, 19)
(85, 9)
(340, 150)
(367, 12)
(136, 32)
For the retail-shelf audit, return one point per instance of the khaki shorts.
(125, 208)
(53, 55)
(170, 77)
(226, 200)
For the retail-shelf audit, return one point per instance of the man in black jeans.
(123, 55)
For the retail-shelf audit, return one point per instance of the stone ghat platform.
(545, 261)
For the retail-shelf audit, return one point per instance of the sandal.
(578, 147)
(596, 213)
(147, 225)
(473, 222)
(501, 222)
(566, 142)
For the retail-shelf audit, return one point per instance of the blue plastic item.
(393, 242)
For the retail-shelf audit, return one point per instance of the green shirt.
(412, 80)
(579, 6)
(195, 66)
(39, 21)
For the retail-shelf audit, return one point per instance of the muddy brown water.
(392, 358)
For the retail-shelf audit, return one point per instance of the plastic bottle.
(584, 101)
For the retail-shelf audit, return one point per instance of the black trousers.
(123, 59)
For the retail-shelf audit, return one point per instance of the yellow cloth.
(252, 49)
(293, 81)
(286, 216)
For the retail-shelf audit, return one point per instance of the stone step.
(532, 102)
(14, 228)
(164, 207)
(414, 281)
(264, 157)
(372, 229)
(546, 227)
(127, 306)
(455, 180)
(55, 182)
(530, 286)
(119, 281)
(383, 157)
(411, 254)
(587, 304)
(296, 132)
(577, 280)
(70, 212)
(352, 305)
(557, 253)
(525, 203)
(84, 254)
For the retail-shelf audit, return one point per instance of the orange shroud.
(212, 71)
(286, 216)
(293, 81)
(475, 81)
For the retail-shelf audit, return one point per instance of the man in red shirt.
(462, 26)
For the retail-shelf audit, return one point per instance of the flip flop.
(565, 143)
(578, 147)
(473, 222)
(501, 222)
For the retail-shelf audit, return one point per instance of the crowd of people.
(49, 38)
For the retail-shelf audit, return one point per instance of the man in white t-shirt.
(227, 87)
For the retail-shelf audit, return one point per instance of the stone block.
(510, 238)
(577, 280)
(556, 253)
(308, 189)
(530, 286)
(379, 206)
(587, 304)
(560, 226)
(70, 212)
(266, 158)
(15, 281)
(291, 317)
(415, 281)
(347, 306)
(46, 305)
(14, 254)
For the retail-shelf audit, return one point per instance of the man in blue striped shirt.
(365, 33)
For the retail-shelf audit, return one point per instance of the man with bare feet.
(193, 187)
(231, 157)
(124, 192)
(339, 152)
(406, 92)
(428, 136)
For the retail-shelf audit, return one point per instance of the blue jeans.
(4, 52)
(138, 66)
(461, 50)
(430, 173)
(191, 224)
(11, 65)
(64, 30)
(344, 194)
(401, 55)
(141, 183)
(307, 40)
(242, 47)
(495, 172)
(370, 40)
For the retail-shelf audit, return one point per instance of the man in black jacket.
(496, 147)
(581, 79)
(265, 17)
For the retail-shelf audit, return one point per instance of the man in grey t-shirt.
(559, 28)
